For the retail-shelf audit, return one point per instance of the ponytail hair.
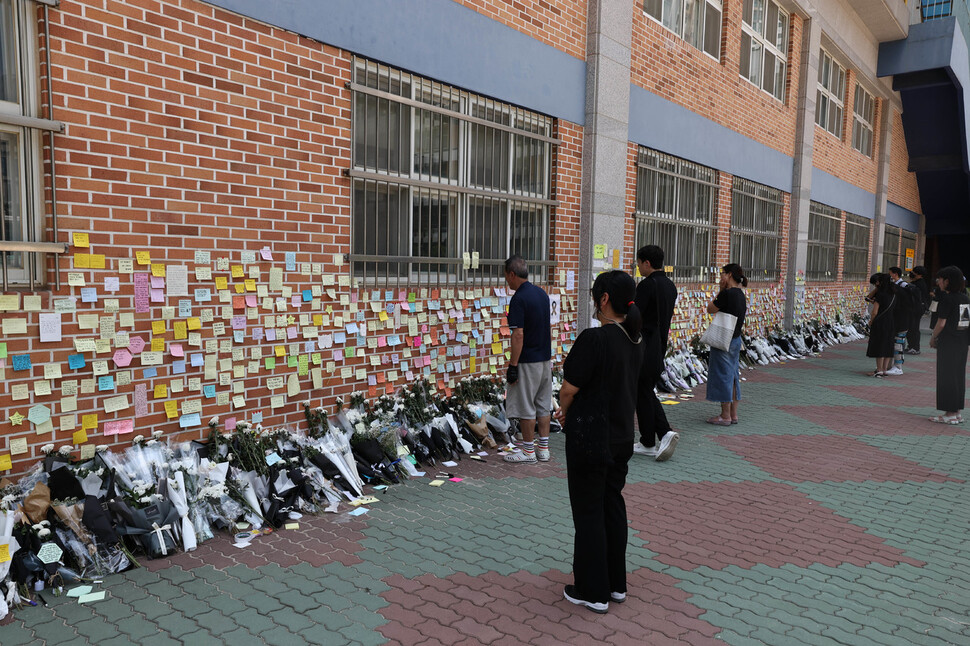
(737, 273)
(621, 289)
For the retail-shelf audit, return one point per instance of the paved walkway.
(834, 513)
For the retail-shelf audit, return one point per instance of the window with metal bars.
(890, 248)
(864, 110)
(756, 212)
(696, 21)
(446, 183)
(830, 101)
(675, 206)
(824, 223)
(907, 243)
(855, 264)
(764, 45)
(22, 246)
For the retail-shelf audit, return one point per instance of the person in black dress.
(917, 278)
(950, 337)
(881, 326)
(598, 399)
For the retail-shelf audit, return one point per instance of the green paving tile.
(698, 459)
(946, 454)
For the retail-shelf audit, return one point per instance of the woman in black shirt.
(950, 338)
(881, 327)
(598, 400)
(723, 379)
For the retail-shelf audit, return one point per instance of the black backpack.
(913, 299)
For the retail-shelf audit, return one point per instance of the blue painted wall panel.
(902, 217)
(440, 39)
(661, 124)
(829, 189)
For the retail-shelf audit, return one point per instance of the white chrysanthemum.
(44, 533)
(151, 442)
(157, 434)
(65, 450)
(47, 449)
(137, 439)
(103, 448)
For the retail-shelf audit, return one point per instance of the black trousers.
(650, 412)
(951, 373)
(599, 518)
(913, 336)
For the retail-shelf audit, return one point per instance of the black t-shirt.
(955, 309)
(529, 310)
(886, 300)
(732, 301)
(655, 299)
(605, 365)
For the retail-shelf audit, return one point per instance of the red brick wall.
(663, 63)
(190, 128)
(560, 23)
(837, 156)
(902, 183)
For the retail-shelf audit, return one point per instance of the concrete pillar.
(605, 136)
(801, 194)
(882, 185)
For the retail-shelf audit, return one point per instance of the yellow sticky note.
(158, 327)
(5, 548)
(161, 391)
(280, 350)
(250, 285)
(97, 261)
(237, 271)
(171, 409)
(158, 270)
(89, 421)
(82, 261)
(291, 526)
(143, 257)
(436, 483)
(5, 465)
(180, 330)
(194, 323)
(383, 315)
(80, 437)
(496, 348)
(81, 240)
(158, 345)
(222, 282)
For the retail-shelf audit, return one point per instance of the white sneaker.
(618, 597)
(667, 445)
(649, 451)
(570, 594)
(542, 454)
(521, 457)
(895, 370)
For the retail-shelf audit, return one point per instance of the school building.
(231, 207)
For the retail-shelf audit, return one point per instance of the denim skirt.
(722, 373)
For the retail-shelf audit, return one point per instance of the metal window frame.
(864, 123)
(769, 46)
(824, 90)
(534, 126)
(775, 198)
(819, 210)
(858, 221)
(681, 33)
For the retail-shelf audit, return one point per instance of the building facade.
(230, 208)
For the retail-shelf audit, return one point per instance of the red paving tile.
(821, 458)
(894, 396)
(744, 523)
(531, 610)
(871, 420)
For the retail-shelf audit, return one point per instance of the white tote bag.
(721, 331)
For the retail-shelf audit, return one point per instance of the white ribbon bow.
(161, 539)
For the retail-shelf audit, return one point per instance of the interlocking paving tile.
(871, 420)
(812, 458)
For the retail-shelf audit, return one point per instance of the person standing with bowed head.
(881, 325)
(597, 403)
(950, 337)
(723, 379)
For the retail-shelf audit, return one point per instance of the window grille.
(863, 116)
(907, 240)
(890, 248)
(830, 102)
(764, 45)
(756, 213)
(696, 21)
(675, 206)
(855, 265)
(824, 223)
(23, 251)
(446, 183)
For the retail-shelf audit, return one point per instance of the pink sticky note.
(136, 344)
(158, 282)
(119, 427)
(250, 300)
(141, 293)
(122, 357)
(239, 322)
(381, 342)
(291, 332)
(271, 334)
(297, 300)
(141, 400)
(230, 423)
(176, 350)
(455, 479)
(158, 295)
(265, 253)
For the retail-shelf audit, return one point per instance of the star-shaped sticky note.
(290, 320)
(17, 419)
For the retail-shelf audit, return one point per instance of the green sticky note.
(291, 361)
(3, 350)
(412, 297)
(270, 363)
(350, 352)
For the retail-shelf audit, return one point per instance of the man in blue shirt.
(529, 394)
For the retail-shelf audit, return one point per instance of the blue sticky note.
(290, 261)
(203, 295)
(178, 367)
(197, 360)
(21, 362)
(89, 295)
(339, 337)
(307, 295)
(106, 382)
(76, 361)
(239, 336)
(209, 390)
(185, 308)
(148, 373)
(359, 511)
(192, 419)
(273, 458)
(257, 418)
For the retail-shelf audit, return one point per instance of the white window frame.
(758, 36)
(826, 98)
(22, 267)
(680, 28)
(862, 122)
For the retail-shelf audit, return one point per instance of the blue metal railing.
(930, 10)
